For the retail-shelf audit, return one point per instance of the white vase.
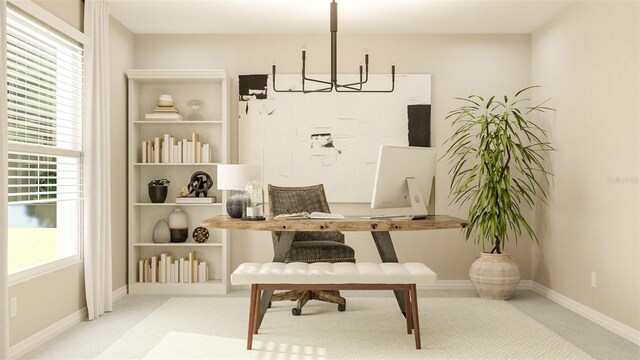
(179, 226)
(494, 276)
(161, 232)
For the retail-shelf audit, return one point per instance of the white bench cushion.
(332, 273)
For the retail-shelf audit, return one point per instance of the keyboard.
(388, 217)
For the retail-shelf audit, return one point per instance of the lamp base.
(234, 205)
(253, 218)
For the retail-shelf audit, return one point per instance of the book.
(168, 274)
(183, 277)
(154, 269)
(203, 272)
(141, 271)
(195, 138)
(313, 216)
(165, 109)
(147, 270)
(195, 200)
(194, 271)
(162, 268)
(156, 150)
(163, 116)
(190, 267)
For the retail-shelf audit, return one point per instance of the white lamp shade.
(235, 177)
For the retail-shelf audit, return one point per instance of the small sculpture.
(200, 234)
(184, 191)
(200, 183)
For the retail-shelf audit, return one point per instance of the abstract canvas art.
(329, 138)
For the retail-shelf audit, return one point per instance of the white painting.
(329, 138)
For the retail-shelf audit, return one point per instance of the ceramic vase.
(158, 193)
(161, 232)
(494, 276)
(179, 226)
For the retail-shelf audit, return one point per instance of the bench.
(334, 276)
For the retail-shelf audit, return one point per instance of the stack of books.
(164, 112)
(171, 151)
(195, 200)
(165, 269)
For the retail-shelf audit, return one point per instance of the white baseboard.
(465, 285)
(47, 334)
(599, 318)
(119, 293)
(55, 329)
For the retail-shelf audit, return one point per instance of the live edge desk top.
(433, 222)
(380, 231)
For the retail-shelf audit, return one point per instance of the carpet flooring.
(371, 328)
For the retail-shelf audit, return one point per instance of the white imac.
(404, 179)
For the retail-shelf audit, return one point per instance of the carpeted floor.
(371, 328)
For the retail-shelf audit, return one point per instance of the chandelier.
(333, 83)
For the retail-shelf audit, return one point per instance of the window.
(45, 118)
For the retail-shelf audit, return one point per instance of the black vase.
(158, 194)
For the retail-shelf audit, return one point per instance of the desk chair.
(309, 247)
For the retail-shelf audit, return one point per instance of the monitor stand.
(418, 206)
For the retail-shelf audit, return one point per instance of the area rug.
(371, 328)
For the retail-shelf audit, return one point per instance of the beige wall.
(49, 298)
(71, 11)
(121, 43)
(588, 61)
(460, 65)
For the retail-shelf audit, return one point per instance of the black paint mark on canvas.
(419, 125)
(252, 86)
(324, 140)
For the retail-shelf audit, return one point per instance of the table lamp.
(235, 177)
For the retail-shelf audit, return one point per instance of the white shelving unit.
(145, 86)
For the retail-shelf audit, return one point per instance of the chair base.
(303, 296)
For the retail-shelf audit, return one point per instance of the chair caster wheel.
(269, 306)
(296, 312)
(342, 307)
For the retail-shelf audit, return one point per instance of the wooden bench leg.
(256, 311)
(407, 306)
(252, 322)
(414, 312)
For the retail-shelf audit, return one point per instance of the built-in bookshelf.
(145, 87)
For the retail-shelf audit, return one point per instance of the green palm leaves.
(498, 165)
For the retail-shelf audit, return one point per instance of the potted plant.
(497, 157)
(158, 190)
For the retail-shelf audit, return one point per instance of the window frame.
(55, 24)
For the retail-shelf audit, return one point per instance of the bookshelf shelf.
(183, 122)
(204, 288)
(186, 244)
(174, 204)
(144, 89)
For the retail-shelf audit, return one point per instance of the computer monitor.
(404, 178)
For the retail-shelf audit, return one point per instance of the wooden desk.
(380, 230)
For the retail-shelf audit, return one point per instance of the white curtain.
(97, 204)
(4, 218)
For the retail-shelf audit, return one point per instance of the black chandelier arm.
(353, 90)
(333, 83)
(273, 76)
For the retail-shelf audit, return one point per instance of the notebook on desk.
(388, 217)
(310, 216)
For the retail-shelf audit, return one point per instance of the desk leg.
(280, 254)
(388, 254)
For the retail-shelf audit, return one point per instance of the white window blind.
(45, 142)
(44, 72)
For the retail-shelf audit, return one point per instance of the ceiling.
(354, 16)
